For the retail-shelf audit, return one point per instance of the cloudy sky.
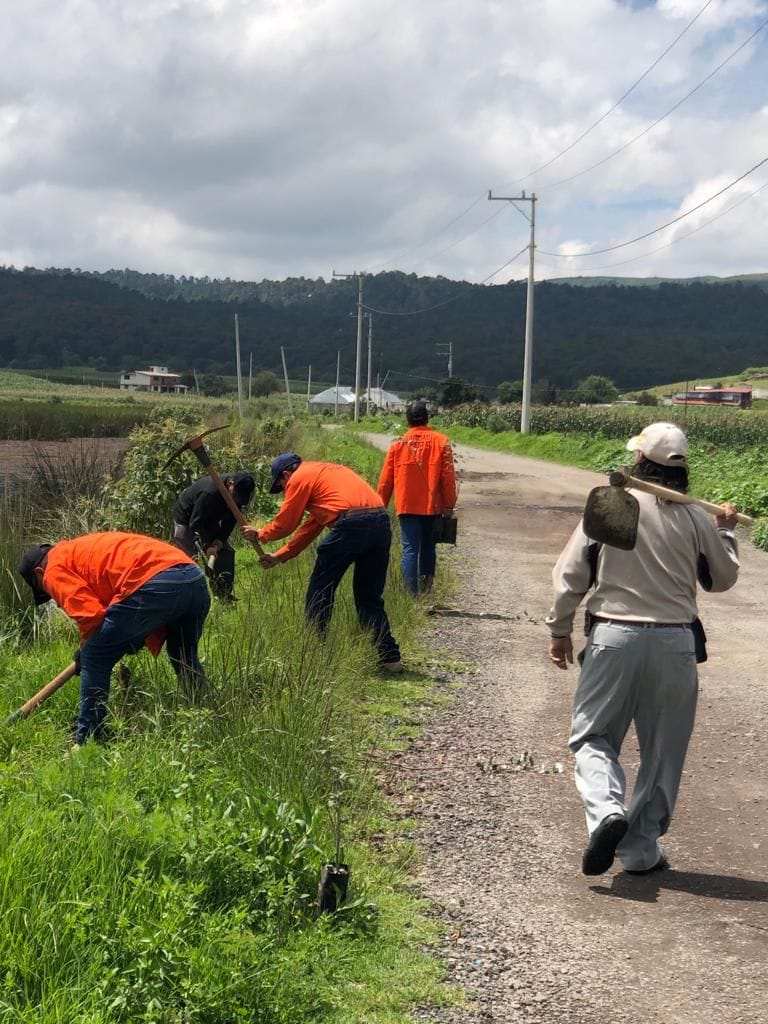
(269, 138)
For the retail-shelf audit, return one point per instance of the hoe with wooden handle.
(611, 513)
(195, 444)
(42, 695)
(623, 478)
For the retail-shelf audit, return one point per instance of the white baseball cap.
(664, 443)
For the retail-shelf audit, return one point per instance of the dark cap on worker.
(288, 460)
(30, 560)
(417, 413)
(243, 486)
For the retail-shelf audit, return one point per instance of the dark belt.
(358, 512)
(642, 625)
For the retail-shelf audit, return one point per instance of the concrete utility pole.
(370, 344)
(525, 416)
(358, 352)
(309, 384)
(239, 374)
(285, 376)
(338, 370)
(441, 350)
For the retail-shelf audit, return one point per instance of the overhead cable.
(619, 101)
(655, 231)
(650, 127)
(435, 234)
(681, 238)
(446, 302)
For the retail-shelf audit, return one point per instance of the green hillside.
(635, 336)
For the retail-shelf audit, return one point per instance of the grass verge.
(170, 877)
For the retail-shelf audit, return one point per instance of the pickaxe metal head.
(195, 444)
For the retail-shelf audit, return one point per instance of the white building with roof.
(326, 401)
(156, 378)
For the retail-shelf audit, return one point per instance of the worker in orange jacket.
(124, 591)
(358, 534)
(419, 469)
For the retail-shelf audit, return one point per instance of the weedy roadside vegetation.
(171, 876)
(726, 456)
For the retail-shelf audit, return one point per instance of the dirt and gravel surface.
(501, 830)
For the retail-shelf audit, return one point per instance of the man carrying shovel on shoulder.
(358, 534)
(639, 663)
(124, 591)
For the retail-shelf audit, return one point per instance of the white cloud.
(267, 137)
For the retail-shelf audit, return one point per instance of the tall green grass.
(170, 877)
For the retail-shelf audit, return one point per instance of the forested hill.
(636, 336)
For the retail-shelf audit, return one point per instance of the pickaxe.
(195, 444)
(42, 695)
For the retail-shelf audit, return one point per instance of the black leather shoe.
(662, 864)
(601, 848)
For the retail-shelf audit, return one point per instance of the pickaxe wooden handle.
(622, 478)
(42, 695)
(195, 444)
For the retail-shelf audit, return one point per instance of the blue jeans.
(419, 552)
(362, 540)
(176, 598)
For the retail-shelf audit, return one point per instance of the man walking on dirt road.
(639, 663)
(124, 591)
(358, 534)
(419, 469)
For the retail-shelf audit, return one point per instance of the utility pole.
(370, 343)
(250, 375)
(444, 348)
(309, 384)
(525, 416)
(285, 376)
(338, 369)
(359, 348)
(239, 374)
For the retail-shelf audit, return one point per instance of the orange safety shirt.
(86, 575)
(419, 468)
(323, 489)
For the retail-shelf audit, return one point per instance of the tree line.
(636, 337)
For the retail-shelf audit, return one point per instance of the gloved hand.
(76, 659)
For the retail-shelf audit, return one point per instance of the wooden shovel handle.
(622, 478)
(42, 695)
(232, 505)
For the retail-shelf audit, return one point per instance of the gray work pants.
(647, 675)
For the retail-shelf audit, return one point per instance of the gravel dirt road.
(529, 937)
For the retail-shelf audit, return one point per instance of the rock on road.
(528, 936)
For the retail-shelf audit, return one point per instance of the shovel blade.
(610, 517)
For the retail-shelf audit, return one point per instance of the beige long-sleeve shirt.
(656, 581)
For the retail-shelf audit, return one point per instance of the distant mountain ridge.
(637, 336)
(761, 280)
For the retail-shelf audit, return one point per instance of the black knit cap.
(30, 560)
(417, 413)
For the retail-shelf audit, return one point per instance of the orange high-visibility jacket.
(86, 575)
(323, 489)
(419, 468)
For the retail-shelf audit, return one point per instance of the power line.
(435, 234)
(475, 202)
(446, 302)
(619, 101)
(650, 127)
(463, 238)
(655, 231)
(682, 238)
